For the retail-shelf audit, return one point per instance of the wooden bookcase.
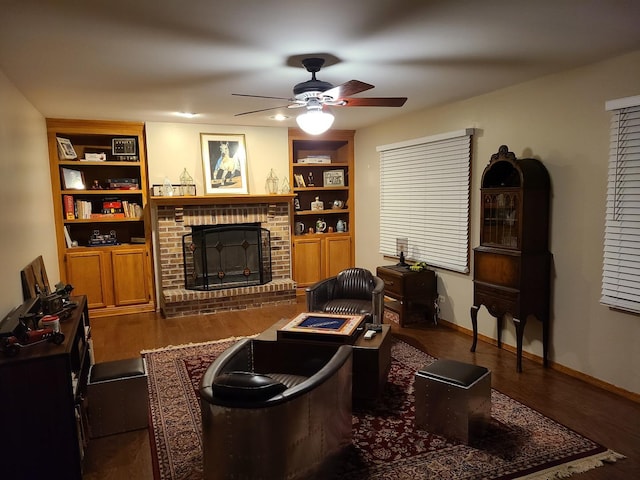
(116, 277)
(326, 165)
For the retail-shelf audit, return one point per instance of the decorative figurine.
(317, 205)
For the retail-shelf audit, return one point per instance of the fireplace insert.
(226, 256)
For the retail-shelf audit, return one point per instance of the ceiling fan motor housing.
(314, 87)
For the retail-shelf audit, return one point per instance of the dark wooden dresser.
(42, 391)
(408, 289)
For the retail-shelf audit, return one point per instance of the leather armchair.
(353, 291)
(276, 409)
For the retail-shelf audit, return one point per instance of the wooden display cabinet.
(100, 204)
(512, 264)
(325, 166)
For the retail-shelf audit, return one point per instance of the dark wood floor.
(603, 416)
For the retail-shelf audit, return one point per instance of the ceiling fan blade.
(347, 89)
(260, 96)
(374, 102)
(261, 110)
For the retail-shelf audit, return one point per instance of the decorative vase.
(272, 182)
(186, 181)
(317, 205)
(321, 226)
(285, 186)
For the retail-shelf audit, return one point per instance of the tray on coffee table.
(323, 327)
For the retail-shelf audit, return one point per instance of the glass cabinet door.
(501, 219)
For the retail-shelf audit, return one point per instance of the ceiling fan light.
(315, 122)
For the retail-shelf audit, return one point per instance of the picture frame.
(299, 180)
(333, 178)
(224, 161)
(72, 179)
(65, 149)
(179, 190)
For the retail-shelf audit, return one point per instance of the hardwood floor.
(605, 417)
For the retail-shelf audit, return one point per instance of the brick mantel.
(174, 217)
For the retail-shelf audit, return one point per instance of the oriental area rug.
(519, 443)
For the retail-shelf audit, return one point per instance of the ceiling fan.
(314, 94)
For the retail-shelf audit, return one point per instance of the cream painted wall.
(561, 120)
(172, 147)
(27, 215)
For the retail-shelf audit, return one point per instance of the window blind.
(621, 266)
(424, 197)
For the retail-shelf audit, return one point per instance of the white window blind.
(424, 197)
(621, 269)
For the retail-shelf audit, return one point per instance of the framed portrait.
(333, 178)
(224, 160)
(72, 179)
(65, 149)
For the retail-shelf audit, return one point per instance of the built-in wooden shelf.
(181, 200)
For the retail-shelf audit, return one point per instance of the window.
(621, 269)
(424, 198)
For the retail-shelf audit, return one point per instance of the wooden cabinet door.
(307, 268)
(337, 252)
(88, 272)
(130, 276)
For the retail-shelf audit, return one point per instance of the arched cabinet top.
(506, 171)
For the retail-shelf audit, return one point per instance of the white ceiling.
(146, 59)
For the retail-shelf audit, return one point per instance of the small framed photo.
(299, 180)
(333, 178)
(65, 149)
(224, 159)
(72, 179)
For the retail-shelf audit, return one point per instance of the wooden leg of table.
(520, 324)
(474, 323)
(545, 342)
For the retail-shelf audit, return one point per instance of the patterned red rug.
(520, 442)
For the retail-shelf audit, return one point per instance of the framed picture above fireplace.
(224, 160)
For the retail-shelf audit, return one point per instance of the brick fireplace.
(174, 218)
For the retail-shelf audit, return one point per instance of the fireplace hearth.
(226, 256)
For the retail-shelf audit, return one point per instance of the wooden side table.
(409, 288)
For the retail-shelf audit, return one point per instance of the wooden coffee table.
(371, 359)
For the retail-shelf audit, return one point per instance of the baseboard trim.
(635, 397)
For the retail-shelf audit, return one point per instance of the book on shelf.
(131, 209)
(67, 237)
(98, 216)
(69, 207)
(315, 159)
(83, 209)
(123, 183)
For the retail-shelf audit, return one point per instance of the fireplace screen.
(226, 256)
